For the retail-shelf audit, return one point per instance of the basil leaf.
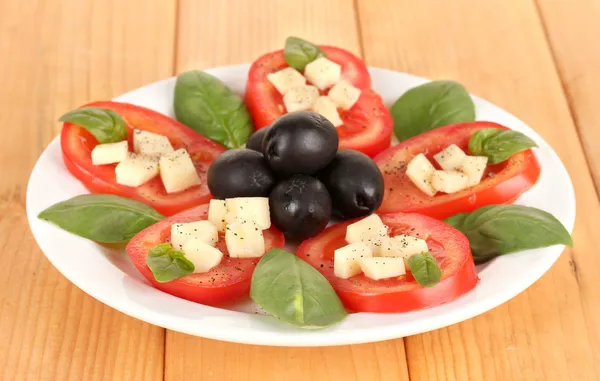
(425, 269)
(298, 52)
(101, 217)
(293, 291)
(432, 105)
(205, 104)
(498, 144)
(106, 125)
(502, 229)
(168, 264)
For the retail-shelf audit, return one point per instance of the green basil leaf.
(106, 125)
(168, 264)
(498, 144)
(425, 269)
(293, 291)
(102, 217)
(502, 229)
(432, 105)
(298, 52)
(205, 104)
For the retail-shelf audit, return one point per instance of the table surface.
(539, 60)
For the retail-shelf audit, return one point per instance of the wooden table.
(539, 60)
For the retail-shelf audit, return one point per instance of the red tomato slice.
(77, 144)
(449, 247)
(501, 184)
(367, 125)
(228, 282)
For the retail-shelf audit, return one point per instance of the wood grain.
(56, 56)
(498, 50)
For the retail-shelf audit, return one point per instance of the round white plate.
(107, 274)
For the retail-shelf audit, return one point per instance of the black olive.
(301, 142)
(300, 207)
(256, 140)
(240, 173)
(355, 184)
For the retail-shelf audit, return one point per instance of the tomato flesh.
(501, 183)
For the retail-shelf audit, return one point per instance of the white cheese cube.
(327, 108)
(244, 240)
(403, 246)
(419, 170)
(449, 181)
(177, 171)
(300, 98)
(346, 260)
(344, 95)
(136, 170)
(109, 153)
(217, 210)
(204, 231)
(370, 231)
(203, 256)
(323, 73)
(382, 268)
(286, 79)
(151, 144)
(249, 209)
(450, 157)
(473, 167)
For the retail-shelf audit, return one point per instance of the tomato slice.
(367, 125)
(501, 183)
(77, 144)
(228, 282)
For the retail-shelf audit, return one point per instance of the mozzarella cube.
(151, 144)
(300, 98)
(327, 108)
(419, 170)
(244, 240)
(204, 231)
(203, 256)
(449, 181)
(346, 260)
(323, 73)
(370, 231)
(136, 170)
(109, 153)
(344, 95)
(450, 157)
(286, 79)
(382, 268)
(473, 167)
(177, 171)
(403, 246)
(217, 210)
(249, 209)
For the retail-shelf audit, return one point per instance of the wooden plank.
(498, 50)
(56, 56)
(214, 33)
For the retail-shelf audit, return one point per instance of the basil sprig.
(102, 217)
(425, 269)
(168, 264)
(106, 125)
(298, 52)
(496, 230)
(498, 144)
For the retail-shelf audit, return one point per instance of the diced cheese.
(382, 268)
(204, 231)
(177, 171)
(244, 240)
(109, 153)
(136, 170)
(203, 256)
(151, 144)
(473, 167)
(300, 98)
(449, 181)
(419, 170)
(403, 246)
(344, 95)
(327, 108)
(323, 73)
(346, 260)
(450, 157)
(370, 231)
(286, 79)
(249, 209)
(217, 210)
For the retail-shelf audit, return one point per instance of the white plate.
(109, 276)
